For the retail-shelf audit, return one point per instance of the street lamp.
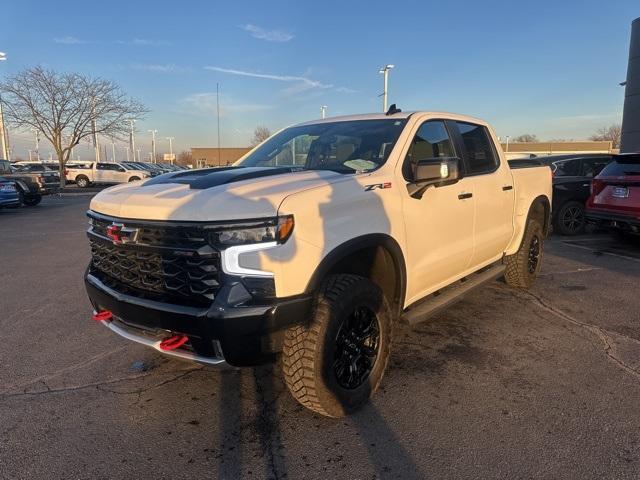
(323, 111)
(385, 72)
(171, 139)
(153, 144)
(37, 132)
(506, 147)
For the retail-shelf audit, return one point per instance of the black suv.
(572, 176)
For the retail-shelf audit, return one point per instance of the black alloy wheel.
(356, 347)
(534, 254)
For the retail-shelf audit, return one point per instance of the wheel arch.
(540, 209)
(369, 256)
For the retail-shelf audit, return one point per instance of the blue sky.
(550, 68)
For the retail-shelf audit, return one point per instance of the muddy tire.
(333, 365)
(524, 265)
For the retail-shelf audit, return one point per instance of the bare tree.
(63, 107)
(525, 138)
(260, 134)
(184, 158)
(608, 134)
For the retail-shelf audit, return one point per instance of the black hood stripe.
(212, 177)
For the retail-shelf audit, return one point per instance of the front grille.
(185, 272)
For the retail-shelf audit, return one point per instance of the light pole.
(132, 141)
(139, 157)
(385, 72)
(218, 118)
(37, 132)
(171, 139)
(323, 111)
(113, 152)
(4, 138)
(30, 154)
(153, 144)
(506, 147)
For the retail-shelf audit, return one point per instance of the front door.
(439, 225)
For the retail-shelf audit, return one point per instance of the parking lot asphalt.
(505, 384)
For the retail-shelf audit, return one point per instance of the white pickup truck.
(314, 244)
(86, 173)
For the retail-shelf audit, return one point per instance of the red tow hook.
(174, 342)
(104, 315)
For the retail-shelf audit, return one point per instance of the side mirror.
(434, 172)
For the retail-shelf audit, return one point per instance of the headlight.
(271, 230)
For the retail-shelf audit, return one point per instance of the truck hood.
(230, 193)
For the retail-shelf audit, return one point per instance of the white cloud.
(69, 40)
(158, 68)
(260, 33)
(305, 81)
(3, 56)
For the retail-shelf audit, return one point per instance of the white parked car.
(103, 173)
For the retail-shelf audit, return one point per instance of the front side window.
(431, 142)
(479, 152)
(344, 147)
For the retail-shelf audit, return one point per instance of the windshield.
(345, 147)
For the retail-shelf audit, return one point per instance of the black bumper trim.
(248, 334)
(599, 216)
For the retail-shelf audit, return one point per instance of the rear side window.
(622, 167)
(479, 152)
(591, 167)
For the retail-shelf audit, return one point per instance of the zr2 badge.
(375, 186)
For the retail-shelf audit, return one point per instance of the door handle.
(465, 195)
(507, 187)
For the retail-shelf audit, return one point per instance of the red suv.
(615, 195)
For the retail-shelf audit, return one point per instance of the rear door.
(493, 192)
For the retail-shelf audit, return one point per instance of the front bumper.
(226, 332)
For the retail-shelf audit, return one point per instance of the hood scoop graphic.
(212, 177)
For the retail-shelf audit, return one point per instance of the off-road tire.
(82, 181)
(519, 272)
(31, 200)
(570, 218)
(309, 351)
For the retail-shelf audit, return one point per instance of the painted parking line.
(606, 247)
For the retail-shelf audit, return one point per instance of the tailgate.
(615, 194)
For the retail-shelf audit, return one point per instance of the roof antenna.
(393, 109)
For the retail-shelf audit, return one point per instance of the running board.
(442, 299)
